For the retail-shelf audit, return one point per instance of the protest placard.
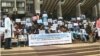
(50, 20)
(18, 20)
(39, 21)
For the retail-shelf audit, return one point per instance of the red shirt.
(98, 24)
(34, 18)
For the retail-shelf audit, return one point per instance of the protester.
(62, 29)
(90, 32)
(76, 29)
(45, 16)
(83, 34)
(8, 32)
(70, 26)
(43, 25)
(41, 29)
(98, 27)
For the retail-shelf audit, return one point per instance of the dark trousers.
(7, 43)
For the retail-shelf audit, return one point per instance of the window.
(3, 4)
(20, 4)
(30, 8)
(6, 4)
(21, 9)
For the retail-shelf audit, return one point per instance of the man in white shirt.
(8, 32)
(83, 34)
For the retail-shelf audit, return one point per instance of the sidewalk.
(51, 46)
(74, 49)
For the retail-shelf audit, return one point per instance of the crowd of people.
(83, 29)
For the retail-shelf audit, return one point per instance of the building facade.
(63, 8)
(11, 6)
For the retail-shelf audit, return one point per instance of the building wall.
(30, 7)
(8, 6)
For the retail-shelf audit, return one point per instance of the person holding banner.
(62, 29)
(41, 29)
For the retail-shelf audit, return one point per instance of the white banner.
(47, 39)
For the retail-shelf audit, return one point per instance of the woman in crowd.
(98, 27)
